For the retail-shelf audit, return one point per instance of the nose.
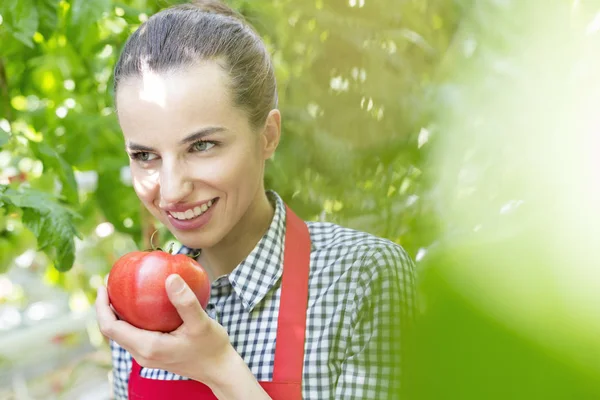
(174, 185)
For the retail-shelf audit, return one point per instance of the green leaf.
(53, 161)
(48, 11)
(51, 223)
(4, 137)
(86, 12)
(84, 17)
(117, 200)
(7, 255)
(22, 20)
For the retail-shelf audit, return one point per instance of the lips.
(179, 220)
(191, 212)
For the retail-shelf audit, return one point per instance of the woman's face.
(196, 163)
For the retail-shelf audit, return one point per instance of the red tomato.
(137, 292)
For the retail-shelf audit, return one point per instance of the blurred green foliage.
(457, 128)
(509, 292)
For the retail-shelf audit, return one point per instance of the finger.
(126, 335)
(104, 313)
(185, 301)
(103, 306)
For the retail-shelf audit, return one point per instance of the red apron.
(291, 327)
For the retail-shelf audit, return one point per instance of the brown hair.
(183, 35)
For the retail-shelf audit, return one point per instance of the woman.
(298, 309)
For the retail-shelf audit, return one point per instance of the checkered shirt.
(361, 291)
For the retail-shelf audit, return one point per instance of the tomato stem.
(170, 248)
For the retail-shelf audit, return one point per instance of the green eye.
(143, 156)
(202, 145)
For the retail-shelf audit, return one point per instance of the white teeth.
(192, 213)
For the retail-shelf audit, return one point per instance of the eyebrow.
(194, 137)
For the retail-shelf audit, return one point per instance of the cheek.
(145, 184)
(232, 170)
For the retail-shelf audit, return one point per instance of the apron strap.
(291, 321)
(136, 368)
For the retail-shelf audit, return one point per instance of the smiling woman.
(196, 101)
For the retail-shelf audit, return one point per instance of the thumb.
(184, 300)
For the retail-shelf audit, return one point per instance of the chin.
(196, 240)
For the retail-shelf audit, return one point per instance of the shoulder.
(369, 279)
(364, 256)
(330, 237)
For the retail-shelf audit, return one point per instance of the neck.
(222, 258)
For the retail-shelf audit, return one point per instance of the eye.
(143, 156)
(202, 145)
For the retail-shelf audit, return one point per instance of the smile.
(192, 212)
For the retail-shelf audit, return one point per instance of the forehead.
(177, 103)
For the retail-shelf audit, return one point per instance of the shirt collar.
(254, 277)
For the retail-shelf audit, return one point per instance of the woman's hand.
(199, 349)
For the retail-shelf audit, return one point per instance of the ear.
(271, 134)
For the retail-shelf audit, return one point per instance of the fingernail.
(176, 284)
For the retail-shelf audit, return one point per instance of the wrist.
(233, 380)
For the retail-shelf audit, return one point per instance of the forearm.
(233, 380)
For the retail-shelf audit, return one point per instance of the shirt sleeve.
(384, 305)
(121, 361)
